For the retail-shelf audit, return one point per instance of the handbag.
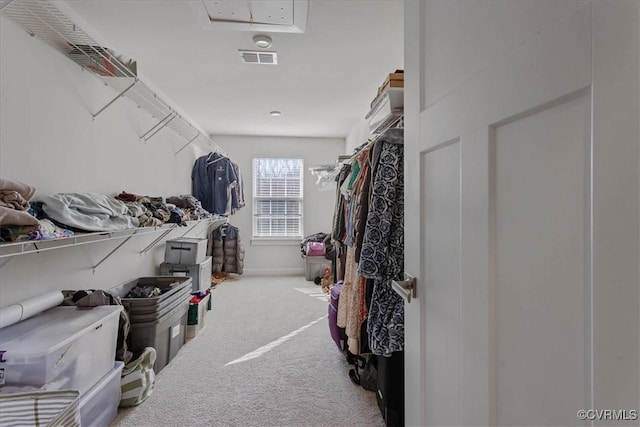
(96, 297)
(138, 378)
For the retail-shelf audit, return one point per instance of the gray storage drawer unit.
(199, 273)
(185, 250)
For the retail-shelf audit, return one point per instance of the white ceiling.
(323, 83)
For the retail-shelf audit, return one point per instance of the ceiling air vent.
(259, 57)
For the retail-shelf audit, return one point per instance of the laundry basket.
(40, 408)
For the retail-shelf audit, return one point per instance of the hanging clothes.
(369, 224)
(362, 200)
(382, 253)
(359, 307)
(338, 232)
(239, 188)
(227, 252)
(352, 310)
(215, 182)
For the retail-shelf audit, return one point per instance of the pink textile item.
(25, 190)
(315, 249)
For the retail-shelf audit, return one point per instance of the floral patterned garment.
(344, 308)
(382, 254)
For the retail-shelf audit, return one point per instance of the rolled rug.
(30, 307)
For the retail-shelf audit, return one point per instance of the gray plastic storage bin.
(185, 250)
(145, 316)
(150, 305)
(199, 273)
(166, 335)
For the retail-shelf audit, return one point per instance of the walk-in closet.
(157, 186)
(319, 213)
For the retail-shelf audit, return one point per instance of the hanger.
(392, 136)
(394, 133)
(210, 162)
(391, 133)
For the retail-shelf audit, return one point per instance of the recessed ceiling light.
(262, 42)
(275, 113)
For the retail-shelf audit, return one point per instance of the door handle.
(405, 288)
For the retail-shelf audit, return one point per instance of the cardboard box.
(396, 75)
(197, 315)
(393, 80)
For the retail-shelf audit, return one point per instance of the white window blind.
(277, 197)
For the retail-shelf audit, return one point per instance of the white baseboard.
(274, 271)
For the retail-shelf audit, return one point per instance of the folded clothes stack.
(62, 214)
(14, 202)
(18, 220)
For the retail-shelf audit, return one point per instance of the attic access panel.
(288, 16)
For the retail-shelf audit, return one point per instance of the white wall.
(358, 135)
(283, 258)
(48, 139)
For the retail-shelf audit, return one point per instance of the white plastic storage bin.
(200, 273)
(99, 406)
(62, 348)
(314, 265)
(185, 250)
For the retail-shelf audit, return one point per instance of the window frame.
(277, 239)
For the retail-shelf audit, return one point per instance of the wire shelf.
(8, 250)
(31, 246)
(42, 19)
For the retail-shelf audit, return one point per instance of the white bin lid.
(187, 240)
(52, 329)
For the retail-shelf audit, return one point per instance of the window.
(277, 197)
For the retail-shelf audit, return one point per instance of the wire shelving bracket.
(115, 99)
(42, 19)
(112, 252)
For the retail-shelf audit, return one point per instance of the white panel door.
(522, 193)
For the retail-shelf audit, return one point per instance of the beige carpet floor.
(286, 369)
